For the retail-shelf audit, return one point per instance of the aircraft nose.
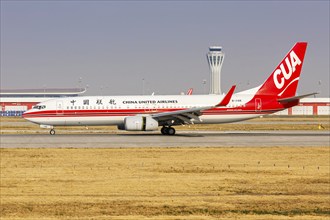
(26, 114)
(29, 116)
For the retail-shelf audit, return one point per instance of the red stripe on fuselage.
(132, 112)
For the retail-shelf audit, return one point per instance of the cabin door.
(59, 108)
(258, 105)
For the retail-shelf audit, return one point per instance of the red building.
(309, 106)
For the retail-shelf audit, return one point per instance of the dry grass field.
(166, 183)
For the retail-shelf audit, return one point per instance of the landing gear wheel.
(52, 132)
(170, 131)
(164, 130)
(167, 130)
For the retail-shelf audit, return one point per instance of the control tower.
(215, 58)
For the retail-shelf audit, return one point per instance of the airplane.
(148, 113)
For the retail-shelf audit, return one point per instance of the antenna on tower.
(215, 58)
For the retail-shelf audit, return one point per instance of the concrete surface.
(182, 139)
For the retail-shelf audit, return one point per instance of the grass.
(161, 183)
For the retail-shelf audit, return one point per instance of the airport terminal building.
(15, 102)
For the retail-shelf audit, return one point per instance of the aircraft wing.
(188, 116)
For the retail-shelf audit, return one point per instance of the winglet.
(227, 98)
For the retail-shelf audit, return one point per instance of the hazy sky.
(113, 45)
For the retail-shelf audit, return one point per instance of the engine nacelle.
(139, 123)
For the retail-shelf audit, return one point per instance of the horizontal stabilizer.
(225, 101)
(295, 98)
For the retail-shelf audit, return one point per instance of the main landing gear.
(52, 132)
(167, 130)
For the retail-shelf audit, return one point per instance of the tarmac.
(181, 139)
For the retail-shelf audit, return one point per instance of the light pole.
(44, 86)
(143, 82)
(79, 83)
(204, 85)
(86, 87)
(320, 83)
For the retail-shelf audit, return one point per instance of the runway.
(182, 139)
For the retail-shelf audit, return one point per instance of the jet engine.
(139, 123)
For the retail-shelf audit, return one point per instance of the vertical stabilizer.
(283, 82)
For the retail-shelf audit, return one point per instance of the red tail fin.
(283, 82)
(190, 91)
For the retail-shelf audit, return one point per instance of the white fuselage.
(112, 110)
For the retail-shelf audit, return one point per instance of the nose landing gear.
(52, 132)
(167, 130)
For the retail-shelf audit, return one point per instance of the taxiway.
(182, 139)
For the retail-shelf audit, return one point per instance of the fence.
(11, 113)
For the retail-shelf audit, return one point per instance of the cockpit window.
(39, 107)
